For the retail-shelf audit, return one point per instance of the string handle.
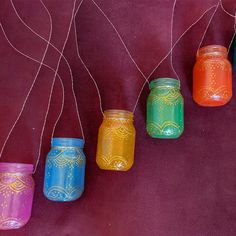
(122, 42)
(84, 65)
(208, 25)
(64, 58)
(121, 39)
(222, 7)
(232, 39)
(171, 41)
(231, 15)
(170, 51)
(56, 74)
(30, 90)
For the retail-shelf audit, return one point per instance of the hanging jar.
(165, 109)
(212, 77)
(16, 194)
(116, 141)
(65, 170)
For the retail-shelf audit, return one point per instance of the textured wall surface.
(183, 187)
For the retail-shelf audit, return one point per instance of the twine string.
(63, 57)
(171, 41)
(127, 50)
(55, 75)
(232, 39)
(170, 51)
(30, 90)
(84, 65)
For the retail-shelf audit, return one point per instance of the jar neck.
(20, 168)
(67, 143)
(212, 51)
(166, 87)
(165, 84)
(118, 114)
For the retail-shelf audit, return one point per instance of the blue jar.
(65, 170)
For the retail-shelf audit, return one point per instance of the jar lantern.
(116, 141)
(212, 77)
(16, 194)
(165, 109)
(65, 170)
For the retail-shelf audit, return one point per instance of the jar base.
(61, 200)
(166, 137)
(212, 103)
(113, 168)
(118, 170)
(154, 131)
(11, 223)
(55, 198)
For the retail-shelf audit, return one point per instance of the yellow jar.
(116, 141)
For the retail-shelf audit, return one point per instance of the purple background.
(176, 187)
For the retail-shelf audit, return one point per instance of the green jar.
(165, 109)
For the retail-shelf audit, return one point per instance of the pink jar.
(16, 194)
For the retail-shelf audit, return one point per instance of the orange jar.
(116, 141)
(212, 77)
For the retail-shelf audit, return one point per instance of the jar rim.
(67, 142)
(16, 167)
(215, 48)
(119, 113)
(165, 82)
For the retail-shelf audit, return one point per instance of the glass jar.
(16, 194)
(212, 77)
(116, 141)
(65, 170)
(165, 109)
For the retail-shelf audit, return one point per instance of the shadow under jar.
(16, 194)
(165, 109)
(116, 141)
(212, 77)
(65, 170)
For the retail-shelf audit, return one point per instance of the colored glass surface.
(212, 77)
(65, 170)
(116, 141)
(165, 109)
(16, 194)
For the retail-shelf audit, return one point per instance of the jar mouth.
(212, 49)
(118, 113)
(67, 142)
(16, 167)
(169, 82)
